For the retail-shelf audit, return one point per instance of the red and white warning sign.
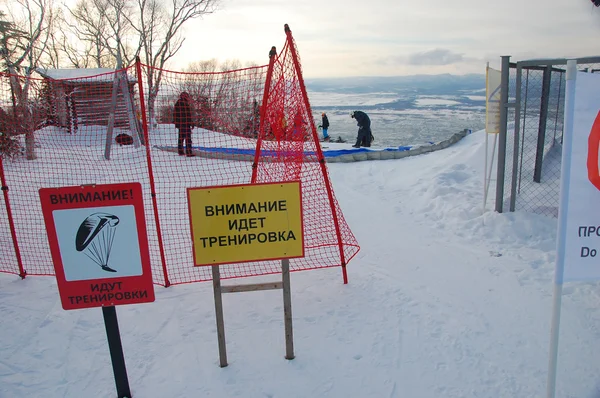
(99, 246)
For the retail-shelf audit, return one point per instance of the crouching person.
(363, 122)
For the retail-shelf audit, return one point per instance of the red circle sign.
(592, 158)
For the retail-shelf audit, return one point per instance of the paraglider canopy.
(90, 228)
(95, 235)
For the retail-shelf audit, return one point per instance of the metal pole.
(515, 163)
(11, 221)
(502, 140)
(560, 75)
(219, 315)
(539, 154)
(485, 160)
(287, 309)
(485, 184)
(562, 224)
(523, 135)
(111, 325)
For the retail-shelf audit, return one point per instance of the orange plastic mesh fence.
(67, 130)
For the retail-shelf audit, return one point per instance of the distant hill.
(444, 84)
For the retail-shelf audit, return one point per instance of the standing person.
(324, 125)
(182, 118)
(363, 122)
(298, 130)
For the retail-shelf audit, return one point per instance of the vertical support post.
(562, 225)
(560, 76)
(541, 140)
(11, 221)
(161, 248)
(523, 135)
(485, 160)
(287, 308)
(502, 140)
(292, 47)
(263, 113)
(219, 315)
(517, 129)
(128, 98)
(116, 351)
(111, 117)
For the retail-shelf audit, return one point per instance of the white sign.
(582, 227)
(98, 242)
(493, 80)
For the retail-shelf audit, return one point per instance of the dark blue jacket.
(362, 120)
(324, 122)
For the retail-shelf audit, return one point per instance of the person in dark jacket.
(184, 122)
(363, 122)
(324, 125)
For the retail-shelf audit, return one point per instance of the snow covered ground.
(443, 301)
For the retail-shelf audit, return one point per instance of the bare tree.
(160, 33)
(55, 37)
(93, 23)
(200, 85)
(125, 29)
(226, 95)
(22, 53)
(202, 66)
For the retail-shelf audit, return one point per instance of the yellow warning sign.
(240, 223)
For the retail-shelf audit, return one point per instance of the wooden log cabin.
(82, 97)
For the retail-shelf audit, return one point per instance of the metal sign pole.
(116, 351)
(130, 278)
(565, 186)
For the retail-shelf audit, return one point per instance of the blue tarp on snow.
(327, 153)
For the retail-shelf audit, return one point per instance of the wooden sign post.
(243, 223)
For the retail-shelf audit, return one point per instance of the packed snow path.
(443, 301)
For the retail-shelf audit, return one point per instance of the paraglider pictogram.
(95, 237)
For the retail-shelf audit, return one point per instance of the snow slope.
(443, 301)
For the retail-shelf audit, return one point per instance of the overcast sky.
(339, 38)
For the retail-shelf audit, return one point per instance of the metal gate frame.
(511, 100)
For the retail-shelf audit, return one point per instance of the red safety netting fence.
(169, 131)
(63, 124)
(289, 150)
